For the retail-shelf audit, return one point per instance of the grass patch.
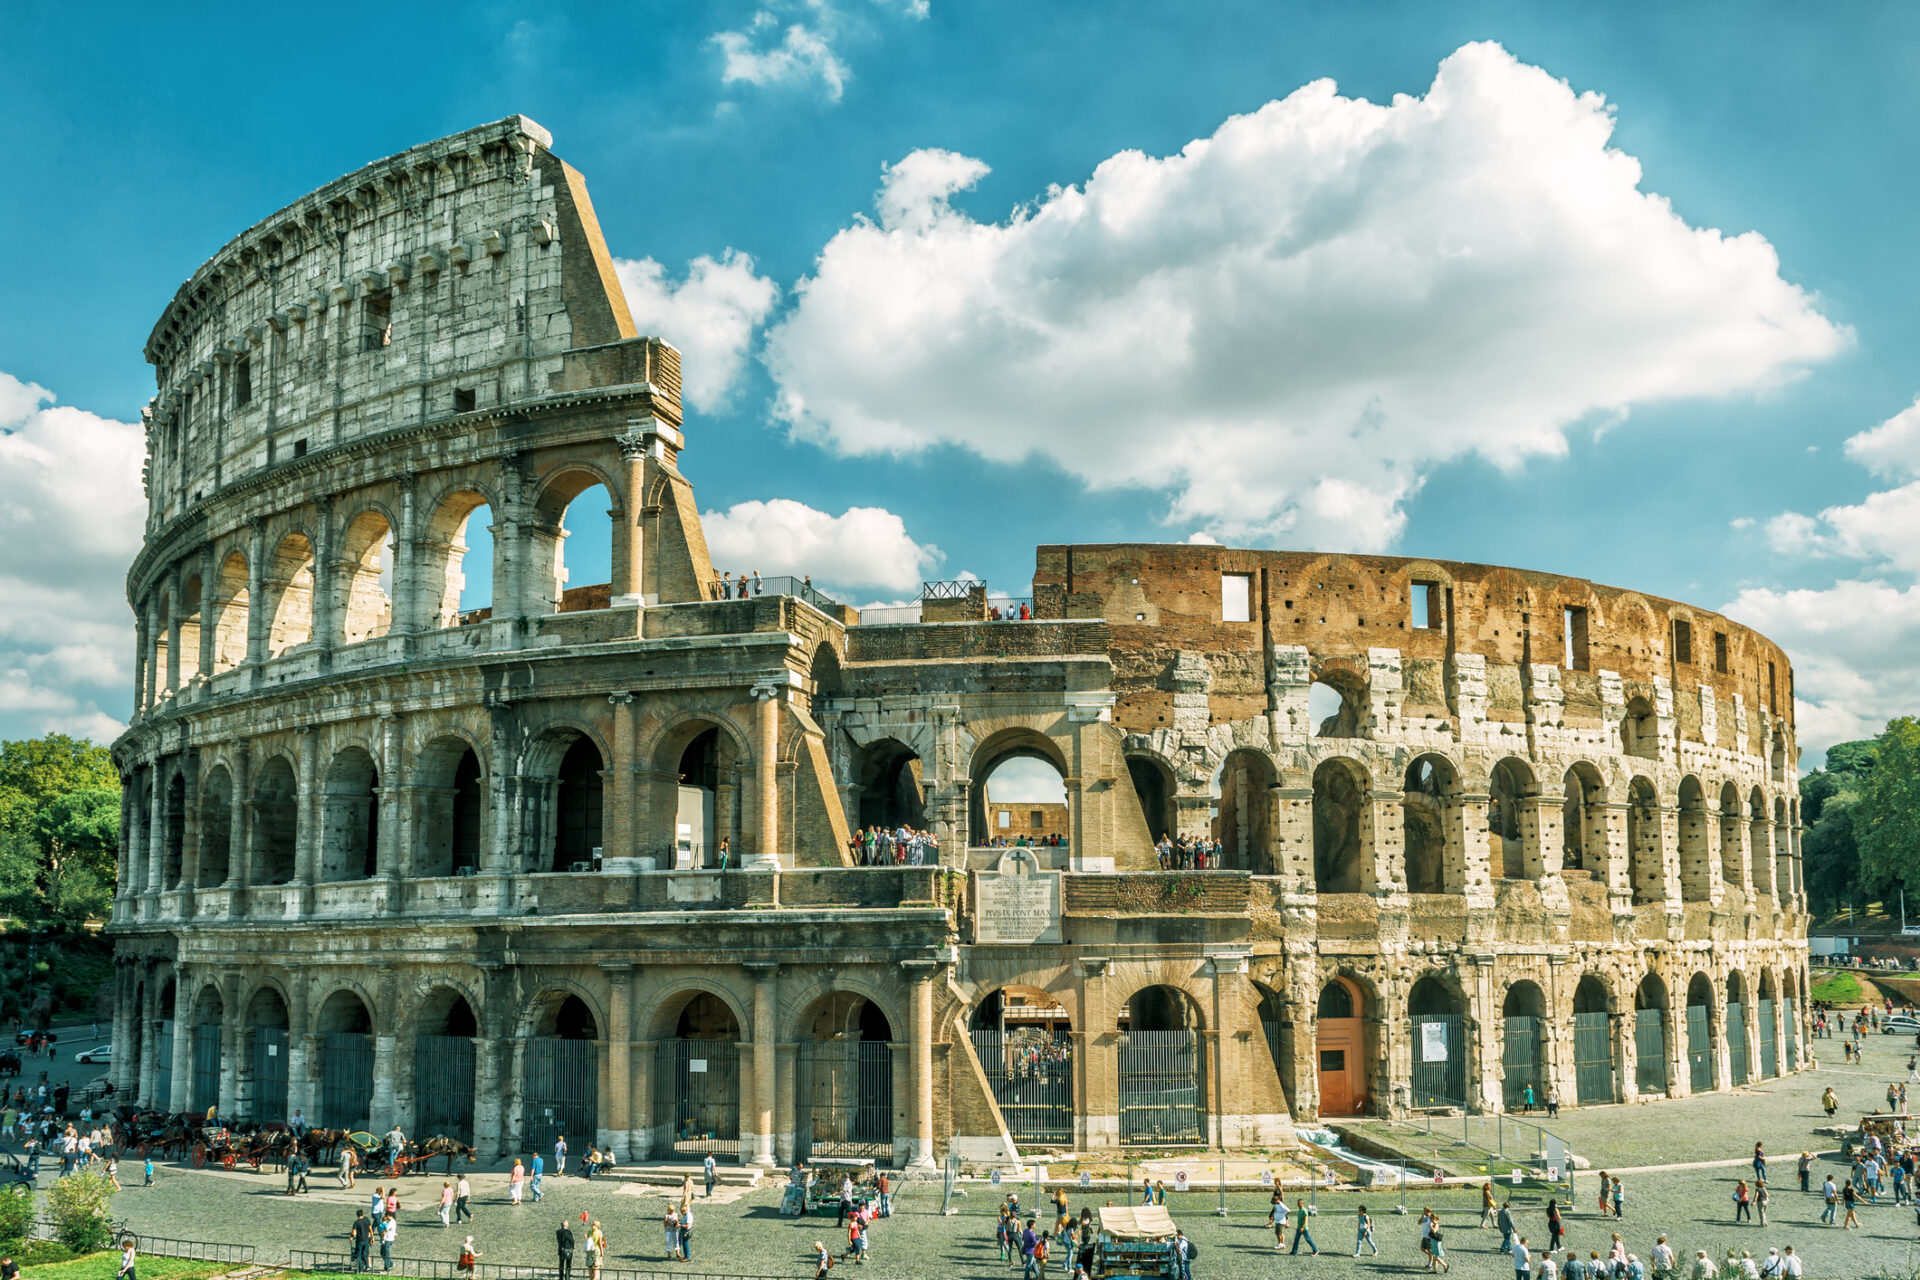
(104, 1266)
(1839, 987)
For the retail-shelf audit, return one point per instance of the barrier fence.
(166, 1246)
(437, 1269)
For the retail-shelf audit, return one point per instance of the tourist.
(1522, 1259)
(1617, 1255)
(1605, 1199)
(1029, 1241)
(149, 1173)
(1742, 1202)
(516, 1182)
(346, 1165)
(446, 1204)
(1436, 1250)
(126, 1259)
(560, 1156)
(1805, 1168)
(1703, 1268)
(534, 1175)
(1759, 1162)
(1277, 1214)
(1760, 1197)
(1486, 1206)
(1851, 1201)
(1003, 1237)
(1831, 1195)
(1300, 1231)
(1504, 1220)
(1553, 1101)
(1555, 1228)
(686, 1231)
(469, 1257)
(360, 1239)
(1663, 1259)
(822, 1260)
(1526, 1098)
(389, 1230)
(597, 1250)
(1363, 1233)
(1790, 1264)
(707, 1166)
(563, 1240)
(886, 1197)
(462, 1197)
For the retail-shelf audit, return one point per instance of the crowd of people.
(1178, 853)
(901, 846)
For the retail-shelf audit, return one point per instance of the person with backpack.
(1363, 1233)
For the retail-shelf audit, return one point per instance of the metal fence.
(1439, 1080)
(269, 1075)
(206, 1066)
(443, 1085)
(780, 584)
(1650, 1050)
(697, 1096)
(1737, 1042)
(846, 1095)
(346, 1079)
(437, 1269)
(1520, 1062)
(1160, 1087)
(1699, 1049)
(562, 1091)
(1769, 1040)
(1592, 1058)
(166, 1246)
(1031, 1074)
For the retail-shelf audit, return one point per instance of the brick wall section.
(932, 641)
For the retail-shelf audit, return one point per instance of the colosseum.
(579, 861)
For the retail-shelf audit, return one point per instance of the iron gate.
(206, 1067)
(1650, 1050)
(1769, 1040)
(269, 1075)
(1032, 1080)
(1737, 1041)
(1699, 1049)
(1439, 1081)
(163, 1068)
(1793, 1035)
(1160, 1087)
(1592, 1058)
(561, 1092)
(696, 1092)
(1520, 1057)
(443, 1083)
(346, 1080)
(846, 1099)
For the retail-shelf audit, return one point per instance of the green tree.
(1886, 820)
(1832, 854)
(36, 771)
(79, 1206)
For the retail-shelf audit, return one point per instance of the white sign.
(994, 1177)
(1016, 910)
(273, 1051)
(697, 1065)
(1039, 1174)
(1433, 1042)
(1553, 1173)
(1180, 1180)
(1086, 1179)
(1266, 1177)
(1438, 1180)
(1516, 1175)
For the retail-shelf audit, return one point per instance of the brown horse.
(440, 1145)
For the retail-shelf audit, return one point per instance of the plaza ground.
(741, 1232)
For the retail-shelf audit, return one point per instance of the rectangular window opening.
(1682, 641)
(376, 321)
(299, 448)
(1425, 602)
(1773, 702)
(1574, 637)
(242, 382)
(1720, 652)
(1236, 597)
(1039, 819)
(1006, 819)
(463, 399)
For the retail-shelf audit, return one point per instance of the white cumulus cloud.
(795, 44)
(1290, 322)
(71, 512)
(710, 316)
(860, 547)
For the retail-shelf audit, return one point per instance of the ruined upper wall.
(456, 277)
(1729, 689)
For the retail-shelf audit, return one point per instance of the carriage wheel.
(226, 1161)
(199, 1156)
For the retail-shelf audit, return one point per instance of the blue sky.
(1595, 392)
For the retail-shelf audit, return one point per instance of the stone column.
(259, 617)
(300, 1056)
(616, 1112)
(406, 620)
(209, 581)
(1467, 823)
(171, 626)
(629, 549)
(306, 803)
(190, 832)
(156, 878)
(509, 552)
(142, 663)
(786, 1103)
(920, 975)
(239, 873)
(231, 1029)
(384, 1106)
(618, 838)
(491, 1135)
(182, 1095)
(326, 582)
(1485, 1062)
(394, 835)
(1383, 857)
(125, 1020)
(1290, 825)
(766, 788)
(765, 1051)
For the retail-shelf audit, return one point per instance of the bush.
(16, 1217)
(79, 1208)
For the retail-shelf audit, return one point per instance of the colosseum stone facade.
(387, 861)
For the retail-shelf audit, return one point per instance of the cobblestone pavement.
(743, 1233)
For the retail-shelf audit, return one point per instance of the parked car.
(102, 1053)
(1900, 1025)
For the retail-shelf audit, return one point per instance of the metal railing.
(890, 615)
(439, 1269)
(779, 584)
(1485, 1145)
(166, 1246)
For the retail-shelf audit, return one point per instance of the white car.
(1900, 1025)
(102, 1053)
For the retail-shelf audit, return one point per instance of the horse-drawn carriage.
(415, 1155)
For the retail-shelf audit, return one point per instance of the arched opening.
(560, 1093)
(823, 678)
(1733, 867)
(365, 584)
(443, 1066)
(1583, 821)
(1650, 1035)
(1340, 788)
(1700, 1049)
(1759, 842)
(1736, 1025)
(1522, 1057)
(1246, 783)
(1769, 1026)
(1696, 858)
(1160, 1067)
(191, 598)
(1593, 1081)
(573, 532)
(1512, 834)
(1783, 887)
(216, 827)
(1153, 784)
(1024, 1040)
(267, 1085)
(891, 793)
(450, 811)
(697, 1079)
(207, 1015)
(456, 561)
(1336, 706)
(1640, 730)
(230, 626)
(1778, 756)
(1430, 810)
(1436, 1014)
(174, 838)
(708, 802)
(346, 1062)
(350, 818)
(1644, 861)
(845, 1085)
(578, 798)
(290, 587)
(1340, 1049)
(1019, 791)
(276, 822)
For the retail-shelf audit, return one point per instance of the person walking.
(1829, 1102)
(1619, 1199)
(1504, 1220)
(1604, 1187)
(1831, 1195)
(469, 1259)
(1805, 1168)
(560, 1156)
(1664, 1262)
(1760, 1198)
(389, 1231)
(1553, 1101)
(1363, 1233)
(686, 1231)
(1759, 1162)
(1277, 1214)
(127, 1259)
(1028, 1242)
(707, 1166)
(1436, 1249)
(149, 1173)
(1486, 1206)
(563, 1241)
(1522, 1259)
(346, 1165)
(1526, 1099)
(359, 1241)
(516, 1182)
(1851, 1201)
(536, 1173)
(1742, 1204)
(462, 1200)
(822, 1260)
(886, 1203)
(446, 1204)
(1300, 1231)
(1555, 1228)
(596, 1250)
(1183, 1255)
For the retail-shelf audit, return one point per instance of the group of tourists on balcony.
(730, 589)
(901, 846)
(1177, 853)
(1053, 841)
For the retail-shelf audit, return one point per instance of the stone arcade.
(385, 861)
